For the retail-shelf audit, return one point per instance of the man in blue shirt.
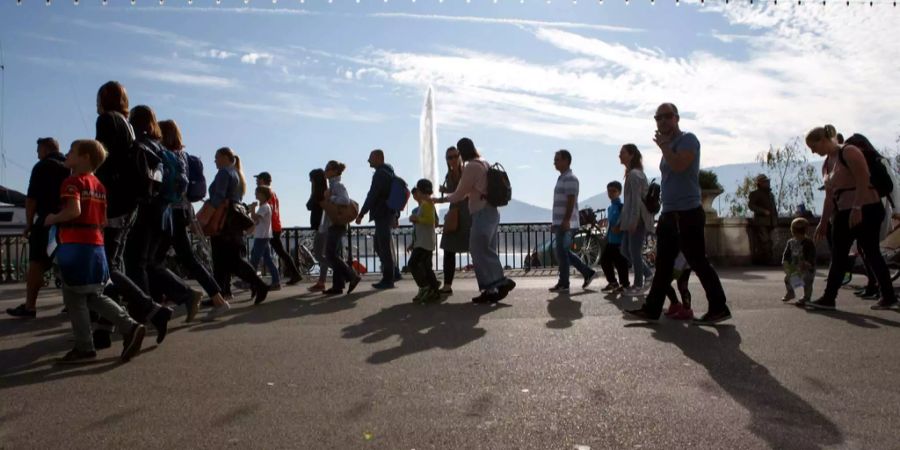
(681, 222)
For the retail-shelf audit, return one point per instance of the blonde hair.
(265, 190)
(171, 135)
(93, 149)
(236, 160)
(817, 134)
(799, 226)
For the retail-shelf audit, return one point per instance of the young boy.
(81, 256)
(611, 257)
(423, 245)
(261, 212)
(799, 261)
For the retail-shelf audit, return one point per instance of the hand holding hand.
(821, 231)
(855, 217)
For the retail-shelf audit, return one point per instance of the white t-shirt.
(263, 228)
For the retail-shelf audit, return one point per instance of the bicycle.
(590, 239)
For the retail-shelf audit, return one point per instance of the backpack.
(145, 171)
(499, 190)
(651, 200)
(196, 189)
(175, 181)
(398, 196)
(881, 175)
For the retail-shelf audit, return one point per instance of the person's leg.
(789, 293)
(290, 267)
(693, 244)
(449, 267)
(319, 252)
(221, 265)
(871, 279)
(479, 239)
(634, 246)
(867, 238)
(185, 254)
(766, 245)
(341, 272)
(621, 265)
(493, 261)
(137, 248)
(270, 262)
(383, 249)
(110, 310)
(808, 280)
(256, 252)
(577, 262)
(666, 252)
(563, 242)
(80, 318)
(34, 281)
(683, 289)
(240, 266)
(416, 266)
(606, 265)
(841, 241)
(430, 277)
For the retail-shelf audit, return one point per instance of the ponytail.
(817, 134)
(240, 172)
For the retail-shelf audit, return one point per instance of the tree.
(794, 180)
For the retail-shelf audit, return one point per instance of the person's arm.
(754, 204)
(809, 253)
(466, 184)
(786, 256)
(859, 169)
(379, 180)
(682, 157)
(70, 211)
(570, 205)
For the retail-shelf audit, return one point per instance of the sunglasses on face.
(664, 116)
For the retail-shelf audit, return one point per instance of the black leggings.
(290, 267)
(227, 261)
(449, 267)
(184, 252)
(866, 235)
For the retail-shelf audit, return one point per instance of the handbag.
(212, 219)
(451, 220)
(340, 215)
(238, 219)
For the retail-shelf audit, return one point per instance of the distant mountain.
(515, 212)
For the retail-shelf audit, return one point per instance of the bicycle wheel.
(649, 250)
(588, 247)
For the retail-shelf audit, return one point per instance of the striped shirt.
(566, 185)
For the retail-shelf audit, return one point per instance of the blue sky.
(292, 85)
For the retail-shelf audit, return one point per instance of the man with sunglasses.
(681, 222)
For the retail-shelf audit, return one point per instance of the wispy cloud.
(505, 21)
(185, 79)
(253, 58)
(300, 106)
(274, 11)
(216, 54)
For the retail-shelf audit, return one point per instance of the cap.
(425, 186)
(761, 177)
(265, 176)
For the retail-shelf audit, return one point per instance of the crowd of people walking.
(113, 207)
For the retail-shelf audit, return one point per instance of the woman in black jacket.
(317, 194)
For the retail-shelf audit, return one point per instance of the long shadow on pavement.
(856, 319)
(564, 311)
(48, 370)
(448, 325)
(780, 417)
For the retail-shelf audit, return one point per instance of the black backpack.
(145, 170)
(651, 200)
(499, 190)
(879, 177)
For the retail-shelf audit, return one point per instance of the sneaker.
(821, 304)
(353, 284)
(160, 321)
(383, 285)
(431, 296)
(640, 314)
(131, 344)
(802, 302)
(506, 286)
(712, 318)
(318, 287)
(193, 307)
(866, 291)
(559, 288)
(488, 296)
(873, 296)
(788, 297)
(611, 287)
(683, 314)
(636, 291)
(333, 291)
(589, 279)
(419, 295)
(274, 287)
(446, 289)
(260, 294)
(76, 356)
(216, 311)
(883, 304)
(674, 308)
(22, 311)
(102, 339)
(294, 280)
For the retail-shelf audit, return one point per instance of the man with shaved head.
(377, 208)
(681, 222)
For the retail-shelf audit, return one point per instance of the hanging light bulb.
(132, 2)
(702, 2)
(76, 2)
(626, 2)
(18, 2)
(190, 2)
(47, 3)
(677, 2)
(652, 2)
(246, 1)
(162, 2)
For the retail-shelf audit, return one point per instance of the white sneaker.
(216, 311)
(636, 291)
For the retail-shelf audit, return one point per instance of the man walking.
(565, 223)
(377, 208)
(765, 218)
(41, 200)
(265, 179)
(681, 224)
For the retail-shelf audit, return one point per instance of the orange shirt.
(88, 227)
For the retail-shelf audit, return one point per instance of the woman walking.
(855, 210)
(227, 189)
(635, 220)
(455, 238)
(317, 194)
(337, 195)
(492, 282)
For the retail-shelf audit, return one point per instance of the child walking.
(423, 245)
(261, 212)
(799, 261)
(82, 258)
(612, 260)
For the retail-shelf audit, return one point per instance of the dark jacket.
(226, 186)
(116, 134)
(376, 200)
(43, 186)
(315, 211)
(759, 200)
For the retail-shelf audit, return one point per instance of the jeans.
(612, 261)
(290, 266)
(565, 256)
(383, 248)
(319, 252)
(80, 300)
(422, 271)
(140, 305)
(185, 253)
(483, 248)
(866, 235)
(683, 231)
(261, 249)
(227, 261)
(633, 247)
(449, 267)
(141, 262)
(341, 272)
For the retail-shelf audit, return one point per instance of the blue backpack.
(174, 181)
(398, 195)
(196, 189)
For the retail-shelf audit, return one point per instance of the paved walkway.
(544, 371)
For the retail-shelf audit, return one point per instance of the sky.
(291, 85)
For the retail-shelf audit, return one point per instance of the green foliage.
(709, 180)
